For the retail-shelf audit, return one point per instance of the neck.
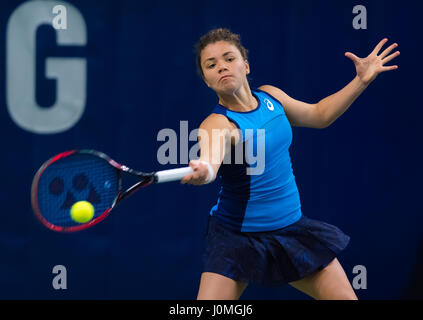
(241, 100)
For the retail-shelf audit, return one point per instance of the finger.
(194, 164)
(387, 50)
(390, 57)
(389, 68)
(379, 46)
(186, 178)
(192, 178)
(352, 56)
(196, 176)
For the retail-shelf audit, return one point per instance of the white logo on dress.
(269, 104)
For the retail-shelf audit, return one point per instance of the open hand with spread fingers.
(368, 68)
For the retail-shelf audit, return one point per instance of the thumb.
(194, 164)
(352, 56)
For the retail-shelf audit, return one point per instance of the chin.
(229, 89)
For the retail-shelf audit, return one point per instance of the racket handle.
(172, 174)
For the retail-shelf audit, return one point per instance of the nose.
(222, 67)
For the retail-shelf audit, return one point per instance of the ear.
(247, 66)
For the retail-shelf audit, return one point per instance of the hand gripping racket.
(86, 175)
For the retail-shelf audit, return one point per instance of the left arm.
(332, 107)
(327, 110)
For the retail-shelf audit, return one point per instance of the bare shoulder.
(217, 121)
(299, 113)
(275, 92)
(268, 88)
(221, 123)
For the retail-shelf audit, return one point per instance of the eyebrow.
(213, 58)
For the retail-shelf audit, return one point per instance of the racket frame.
(145, 180)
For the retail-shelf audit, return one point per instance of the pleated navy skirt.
(272, 258)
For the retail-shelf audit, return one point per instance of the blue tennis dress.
(259, 194)
(256, 232)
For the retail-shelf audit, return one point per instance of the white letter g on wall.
(70, 73)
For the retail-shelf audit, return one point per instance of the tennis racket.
(87, 175)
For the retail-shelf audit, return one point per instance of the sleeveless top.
(258, 190)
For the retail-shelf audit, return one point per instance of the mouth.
(224, 77)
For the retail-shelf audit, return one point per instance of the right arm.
(214, 135)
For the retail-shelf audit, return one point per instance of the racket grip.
(172, 174)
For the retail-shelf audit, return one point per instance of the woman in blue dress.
(257, 232)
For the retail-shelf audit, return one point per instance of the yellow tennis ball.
(82, 211)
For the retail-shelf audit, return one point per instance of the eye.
(210, 66)
(230, 59)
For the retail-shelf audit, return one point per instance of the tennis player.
(256, 231)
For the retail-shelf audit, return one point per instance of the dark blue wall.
(363, 173)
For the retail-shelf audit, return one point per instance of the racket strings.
(75, 178)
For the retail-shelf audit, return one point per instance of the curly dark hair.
(215, 35)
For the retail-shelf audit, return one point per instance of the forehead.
(217, 49)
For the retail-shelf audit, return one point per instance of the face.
(224, 68)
